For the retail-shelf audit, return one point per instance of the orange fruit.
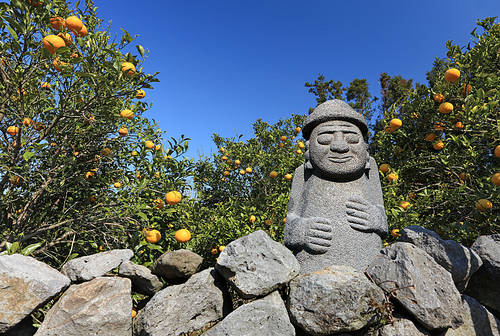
(45, 85)
(222, 149)
(158, 203)
(430, 137)
(158, 148)
(404, 204)
(224, 158)
(149, 144)
(301, 145)
(182, 235)
(52, 43)
(248, 169)
(226, 173)
(497, 151)
(153, 236)
(83, 32)
(395, 123)
(298, 129)
(134, 313)
(252, 219)
(483, 204)
(298, 151)
(58, 64)
(173, 197)
(237, 162)
(495, 179)
(123, 131)
(384, 168)
(395, 233)
(221, 248)
(451, 75)
(140, 94)
(438, 98)
(242, 172)
(288, 177)
(74, 24)
(128, 68)
(13, 130)
(127, 114)
(392, 177)
(89, 175)
(438, 145)
(459, 125)
(27, 121)
(283, 138)
(389, 130)
(281, 145)
(134, 153)
(106, 151)
(57, 22)
(214, 251)
(273, 174)
(68, 40)
(268, 222)
(117, 185)
(446, 108)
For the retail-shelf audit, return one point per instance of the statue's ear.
(307, 157)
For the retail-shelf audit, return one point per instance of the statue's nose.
(338, 143)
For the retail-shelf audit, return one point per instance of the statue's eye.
(351, 138)
(324, 139)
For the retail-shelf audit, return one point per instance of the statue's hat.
(333, 110)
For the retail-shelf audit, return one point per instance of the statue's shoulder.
(299, 171)
(373, 163)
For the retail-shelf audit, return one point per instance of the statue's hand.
(362, 215)
(318, 234)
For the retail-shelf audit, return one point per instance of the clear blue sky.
(225, 63)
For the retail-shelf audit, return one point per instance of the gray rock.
(477, 321)
(256, 265)
(336, 211)
(457, 259)
(102, 306)
(485, 283)
(143, 281)
(424, 288)
(333, 300)
(177, 265)
(25, 285)
(262, 317)
(400, 327)
(96, 265)
(183, 308)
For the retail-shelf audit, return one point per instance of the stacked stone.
(422, 285)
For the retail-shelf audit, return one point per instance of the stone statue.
(336, 211)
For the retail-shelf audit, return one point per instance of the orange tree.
(77, 173)
(443, 154)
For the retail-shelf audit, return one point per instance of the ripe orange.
(134, 313)
(27, 121)
(395, 233)
(283, 138)
(13, 130)
(384, 167)
(497, 151)
(117, 185)
(173, 197)
(389, 130)
(281, 145)
(395, 123)
(214, 251)
(298, 151)
(268, 222)
(430, 137)
(224, 158)
(45, 85)
(134, 153)
(182, 235)
(52, 43)
(222, 149)
(438, 98)
(459, 125)
(128, 68)
(89, 175)
(57, 22)
(149, 144)
(123, 131)
(221, 248)
(242, 172)
(158, 147)
(392, 177)
(438, 145)
(153, 236)
(158, 203)
(298, 129)
(252, 219)
(226, 173)
(404, 204)
(273, 174)
(248, 169)
(446, 108)
(237, 162)
(483, 204)
(288, 177)
(301, 145)
(68, 40)
(140, 94)
(74, 24)
(83, 32)
(451, 75)
(495, 179)
(127, 114)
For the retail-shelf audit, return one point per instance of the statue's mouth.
(342, 159)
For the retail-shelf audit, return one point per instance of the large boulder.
(400, 326)
(477, 320)
(266, 316)
(177, 265)
(143, 281)
(95, 265)
(424, 288)
(333, 300)
(485, 283)
(255, 265)
(182, 309)
(25, 285)
(101, 307)
(457, 259)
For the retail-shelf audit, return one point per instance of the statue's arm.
(378, 198)
(294, 230)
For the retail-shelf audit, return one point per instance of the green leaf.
(14, 247)
(140, 49)
(126, 36)
(30, 248)
(12, 32)
(143, 216)
(28, 155)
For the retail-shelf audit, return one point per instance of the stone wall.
(421, 285)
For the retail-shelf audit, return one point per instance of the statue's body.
(336, 212)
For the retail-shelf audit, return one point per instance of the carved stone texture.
(401, 326)
(143, 281)
(182, 309)
(95, 265)
(485, 283)
(256, 265)
(333, 300)
(177, 265)
(424, 288)
(336, 212)
(457, 259)
(101, 307)
(267, 316)
(25, 285)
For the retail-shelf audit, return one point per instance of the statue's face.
(337, 149)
